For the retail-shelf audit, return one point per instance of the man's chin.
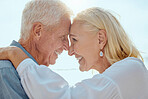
(47, 64)
(52, 63)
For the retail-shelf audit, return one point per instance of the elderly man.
(44, 30)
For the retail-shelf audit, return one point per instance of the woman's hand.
(14, 54)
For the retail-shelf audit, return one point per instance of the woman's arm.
(40, 82)
(14, 54)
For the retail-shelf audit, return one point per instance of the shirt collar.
(14, 43)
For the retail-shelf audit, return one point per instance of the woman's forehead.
(76, 28)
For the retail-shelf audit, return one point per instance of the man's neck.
(31, 48)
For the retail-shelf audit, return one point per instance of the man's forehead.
(69, 28)
(65, 29)
(67, 32)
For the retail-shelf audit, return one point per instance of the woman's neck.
(102, 65)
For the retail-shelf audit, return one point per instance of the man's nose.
(66, 44)
(71, 50)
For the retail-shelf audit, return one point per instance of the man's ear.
(37, 30)
(102, 38)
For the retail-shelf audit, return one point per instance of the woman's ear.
(37, 30)
(102, 38)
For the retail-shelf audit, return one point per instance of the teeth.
(79, 58)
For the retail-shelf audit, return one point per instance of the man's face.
(54, 41)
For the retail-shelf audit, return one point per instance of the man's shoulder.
(10, 82)
(5, 64)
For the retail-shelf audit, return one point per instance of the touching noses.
(66, 44)
(68, 48)
(71, 50)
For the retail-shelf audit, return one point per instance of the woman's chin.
(82, 68)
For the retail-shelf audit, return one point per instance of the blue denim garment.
(10, 84)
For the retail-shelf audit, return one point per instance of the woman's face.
(84, 45)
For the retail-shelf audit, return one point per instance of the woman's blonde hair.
(118, 46)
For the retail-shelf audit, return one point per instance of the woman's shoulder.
(129, 61)
(127, 69)
(127, 65)
(129, 73)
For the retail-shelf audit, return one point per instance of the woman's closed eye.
(73, 39)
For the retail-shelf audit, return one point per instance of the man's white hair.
(48, 12)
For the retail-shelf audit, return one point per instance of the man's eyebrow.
(65, 34)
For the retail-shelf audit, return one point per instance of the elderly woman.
(99, 42)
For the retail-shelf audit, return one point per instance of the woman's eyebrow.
(72, 35)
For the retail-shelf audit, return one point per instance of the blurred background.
(132, 14)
